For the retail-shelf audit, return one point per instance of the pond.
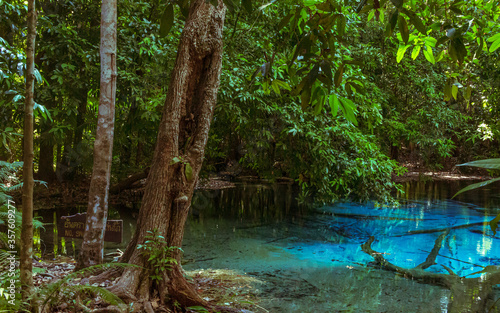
(310, 260)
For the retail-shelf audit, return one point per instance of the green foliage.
(10, 219)
(419, 82)
(491, 164)
(157, 254)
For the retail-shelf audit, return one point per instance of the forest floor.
(417, 172)
(219, 287)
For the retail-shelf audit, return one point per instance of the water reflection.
(311, 259)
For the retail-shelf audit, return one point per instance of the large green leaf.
(416, 21)
(454, 91)
(475, 186)
(341, 23)
(495, 45)
(392, 23)
(285, 21)
(334, 104)
(189, 172)
(403, 28)
(493, 164)
(429, 55)
(415, 52)
(460, 49)
(338, 75)
(167, 20)
(401, 52)
(348, 108)
(494, 224)
(494, 38)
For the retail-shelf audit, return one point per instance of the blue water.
(311, 260)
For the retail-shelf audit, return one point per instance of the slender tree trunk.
(91, 252)
(183, 134)
(27, 220)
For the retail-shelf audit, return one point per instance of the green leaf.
(320, 96)
(275, 87)
(416, 21)
(338, 76)
(460, 49)
(495, 45)
(403, 28)
(282, 84)
(494, 38)
(401, 52)
(475, 186)
(430, 41)
(189, 172)
(494, 224)
(442, 40)
(391, 25)
(348, 108)
(341, 23)
(429, 55)
(415, 52)
(371, 15)
(305, 96)
(468, 93)
(447, 91)
(284, 22)
(454, 91)
(334, 104)
(493, 164)
(175, 160)
(167, 20)
(327, 70)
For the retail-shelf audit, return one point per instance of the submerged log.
(467, 294)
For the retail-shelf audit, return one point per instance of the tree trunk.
(26, 263)
(92, 249)
(183, 134)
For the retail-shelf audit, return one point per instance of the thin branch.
(431, 258)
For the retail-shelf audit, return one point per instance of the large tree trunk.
(183, 134)
(91, 252)
(26, 263)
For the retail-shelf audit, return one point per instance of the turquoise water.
(311, 260)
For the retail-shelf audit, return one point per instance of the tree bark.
(26, 262)
(92, 249)
(183, 135)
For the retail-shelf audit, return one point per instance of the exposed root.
(109, 274)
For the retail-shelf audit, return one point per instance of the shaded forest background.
(401, 110)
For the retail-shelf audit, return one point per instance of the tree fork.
(180, 146)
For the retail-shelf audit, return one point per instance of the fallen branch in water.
(467, 294)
